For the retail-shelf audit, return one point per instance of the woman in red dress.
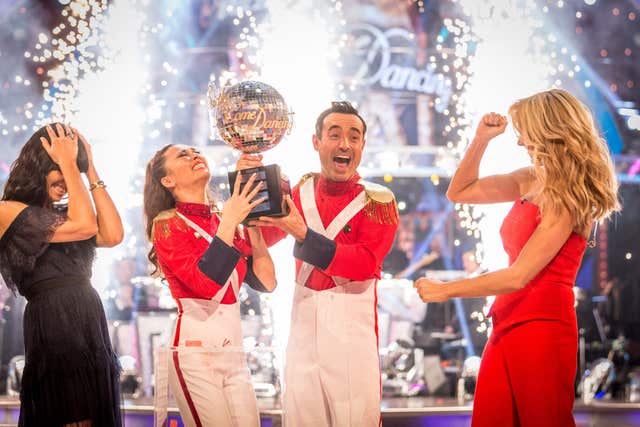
(205, 258)
(528, 367)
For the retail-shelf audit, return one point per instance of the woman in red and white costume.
(205, 258)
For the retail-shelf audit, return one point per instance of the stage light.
(633, 122)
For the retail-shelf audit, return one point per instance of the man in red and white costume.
(343, 228)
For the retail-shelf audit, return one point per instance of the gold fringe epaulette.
(381, 203)
(161, 222)
(305, 177)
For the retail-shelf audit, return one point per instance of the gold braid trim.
(161, 221)
(305, 177)
(381, 204)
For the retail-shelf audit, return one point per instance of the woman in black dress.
(46, 253)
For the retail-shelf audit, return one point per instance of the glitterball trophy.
(252, 117)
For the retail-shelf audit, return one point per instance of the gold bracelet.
(97, 184)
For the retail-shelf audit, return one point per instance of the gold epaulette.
(162, 221)
(381, 203)
(305, 177)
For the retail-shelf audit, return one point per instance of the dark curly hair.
(27, 182)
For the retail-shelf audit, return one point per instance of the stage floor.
(396, 412)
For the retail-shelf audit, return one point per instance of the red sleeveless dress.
(550, 294)
(528, 367)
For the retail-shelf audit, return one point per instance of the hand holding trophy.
(252, 117)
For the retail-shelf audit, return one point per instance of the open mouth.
(342, 160)
(199, 165)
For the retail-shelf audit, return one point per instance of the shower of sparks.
(100, 84)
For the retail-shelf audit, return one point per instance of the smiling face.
(56, 187)
(340, 145)
(185, 167)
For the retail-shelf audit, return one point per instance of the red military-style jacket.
(358, 250)
(193, 267)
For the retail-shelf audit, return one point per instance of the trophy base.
(274, 187)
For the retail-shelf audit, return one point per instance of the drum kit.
(606, 366)
(468, 378)
(139, 315)
(408, 367)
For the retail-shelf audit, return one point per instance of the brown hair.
(343, 107)
(156, 197)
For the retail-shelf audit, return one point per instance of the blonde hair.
(571, 160)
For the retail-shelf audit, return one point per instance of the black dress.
(71, 372)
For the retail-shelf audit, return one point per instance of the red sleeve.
(271, 235)
(363, 260)
(242, 242)
(179, 253)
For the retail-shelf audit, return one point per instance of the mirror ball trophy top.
(253, 117)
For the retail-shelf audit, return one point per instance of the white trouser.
(332, 371)
(208, 373)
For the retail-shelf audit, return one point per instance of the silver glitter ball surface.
(251, 116)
